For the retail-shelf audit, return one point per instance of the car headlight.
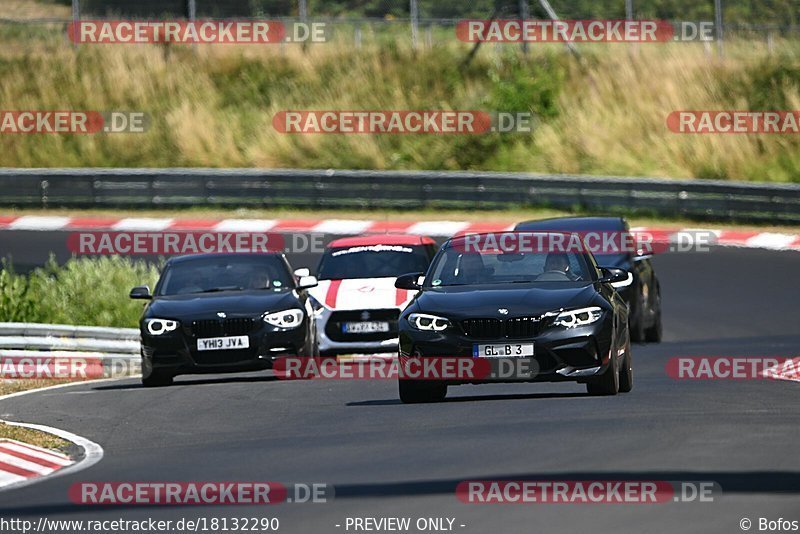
(285, 319)
(156, 327)
(580, 317)
(431, 323)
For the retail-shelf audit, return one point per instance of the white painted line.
(438, 228)
(7, 479)
(342, 226)
(36, 222)
(771, 241)
(132, 224)
(245, 225)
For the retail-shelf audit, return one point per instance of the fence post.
(629, 9)
(302, 11)
(76, 18)
(524, 14)
(414, 12)
(718, 24)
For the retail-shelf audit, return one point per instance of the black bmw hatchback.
(557, 310)
(212, 313)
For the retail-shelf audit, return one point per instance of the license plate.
(365, 327)
(503, 350)
(223, 343)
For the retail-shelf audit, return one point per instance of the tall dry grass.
(213, 106)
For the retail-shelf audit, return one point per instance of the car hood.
(519, 299)
(360, 294)
(232, 303)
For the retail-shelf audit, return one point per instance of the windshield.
(225, 273)
(373, 261)
(454, 266)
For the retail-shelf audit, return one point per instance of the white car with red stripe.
(356, 303)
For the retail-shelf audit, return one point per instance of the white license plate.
(503, 350)
(223, 343)
(365, 327)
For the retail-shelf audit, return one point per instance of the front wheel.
(626, 372)
(415, 392)
(655, 332)
(608, 382)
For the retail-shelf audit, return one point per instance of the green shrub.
(84, 291)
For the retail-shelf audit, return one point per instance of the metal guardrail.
(339, 189)
(116, 348)
(69, 331)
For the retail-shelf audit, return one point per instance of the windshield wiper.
(222, 288)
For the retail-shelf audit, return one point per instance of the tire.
(414, 392)
(608, 382)
(157, 379)
(656, 331)
(637, 330)
(626, 371)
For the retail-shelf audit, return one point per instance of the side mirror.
(306, 282)
(300, 273)
(140, 292)
(408, 281)
(616, 277)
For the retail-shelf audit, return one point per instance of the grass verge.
(213, 106)
(34, 437)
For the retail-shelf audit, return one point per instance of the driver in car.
(259, 280)
(556, 267)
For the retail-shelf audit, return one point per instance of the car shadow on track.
(193, 382)
(474, 398)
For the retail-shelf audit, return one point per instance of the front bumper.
(177, 353)
(387, 343)
(560, 354)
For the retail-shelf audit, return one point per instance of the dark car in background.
(643, 295)
(212, 313)
(556, 309)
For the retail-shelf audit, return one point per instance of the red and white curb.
(786, 371)
(20, 462)
(441, 228)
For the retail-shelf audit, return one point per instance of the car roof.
(190, 257)
(574, 224)
(381, 239)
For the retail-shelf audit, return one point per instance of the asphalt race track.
(389, 459)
